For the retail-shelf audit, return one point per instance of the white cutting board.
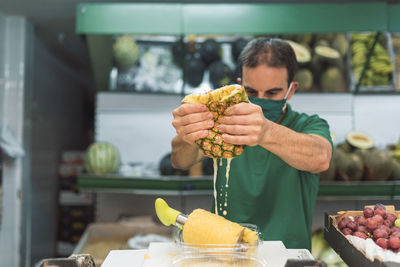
(274, 253)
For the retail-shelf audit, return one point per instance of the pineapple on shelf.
(218, 101)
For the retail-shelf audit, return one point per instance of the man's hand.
(244, 124)
(192, 122)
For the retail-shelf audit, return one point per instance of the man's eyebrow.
(274, 89)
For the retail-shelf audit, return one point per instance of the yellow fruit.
(217, 101)
(397, 222)
(203, 227)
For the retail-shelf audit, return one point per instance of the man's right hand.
(192, 121)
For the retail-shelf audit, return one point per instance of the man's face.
(266, 82)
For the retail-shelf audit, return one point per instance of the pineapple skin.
(217, 101)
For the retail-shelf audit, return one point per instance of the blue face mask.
(272, 109)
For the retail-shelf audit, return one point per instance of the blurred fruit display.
(321, 250)
(357, 159)
(321, 61)
(396, 50)
(380, 69)
(330, 62)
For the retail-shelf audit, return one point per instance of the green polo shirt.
(266, 191)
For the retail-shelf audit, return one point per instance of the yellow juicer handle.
(166, 214)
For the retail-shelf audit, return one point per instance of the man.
(274, 183)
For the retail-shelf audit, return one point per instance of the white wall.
(140, 124)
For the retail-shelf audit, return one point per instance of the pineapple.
(218, 101)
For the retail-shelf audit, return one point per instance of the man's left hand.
(243, 124)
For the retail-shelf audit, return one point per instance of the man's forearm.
(184, 155)
(305, 152)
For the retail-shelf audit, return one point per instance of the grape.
(388, 223)
(394, 242)
(378, 218)
(380, 233)
(362, 228)
(342, 224)
(368, 212)
(391, 217)
(360, 235)
(397, 222)
(352, 225)
(395, 229)
(397, 233)
(360, 220)
(347, 219)
(347, 231)
(379, 205)
(371, 224)
(386, 228)
(382, 242)
(380, 211)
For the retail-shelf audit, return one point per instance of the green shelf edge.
(124, 18)
(394, 17)
(283, 18)
(93, 182)
(331, 189)
(230, 18)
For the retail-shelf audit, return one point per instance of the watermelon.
(193, 70)
(237, 46)
(220, 74)
(102, 158)
(210, 51)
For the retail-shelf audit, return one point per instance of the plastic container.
(239, 249)
(220, 260)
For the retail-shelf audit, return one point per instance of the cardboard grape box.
(350, 254)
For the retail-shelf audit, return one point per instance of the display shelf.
(173, 185)
(230, 18)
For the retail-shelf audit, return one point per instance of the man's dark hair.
(272, 52)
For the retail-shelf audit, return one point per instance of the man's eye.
(271, 93)
(251, 92)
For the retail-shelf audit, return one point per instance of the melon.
(379, 164)
(102, 158)
(395, 175)
(327, 52)
(351, 165)
(331, 80)
(305, 79)
(341, 44)
(344, 147)
(303, 55)
(330, 173)
(359, 140)
(125, 51)
(306, 38)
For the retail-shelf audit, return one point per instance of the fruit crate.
(374, 71)
(351, 254)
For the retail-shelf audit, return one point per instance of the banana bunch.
(396, 152)
(380, 67)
